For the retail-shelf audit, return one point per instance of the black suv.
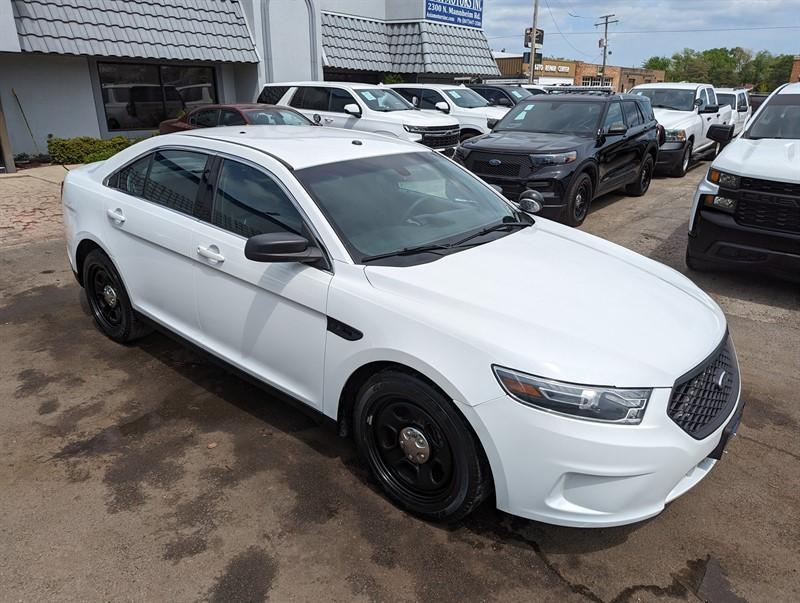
(503, 96)
(571, 148)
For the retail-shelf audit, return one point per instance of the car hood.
(526, 142)
(766, 159)
(413, 117)
(559, 303)
(674, 119)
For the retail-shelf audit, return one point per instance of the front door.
(613, 154)
(268, 319)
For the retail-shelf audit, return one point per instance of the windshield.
(393, 202)
(554, 117)
(724, 98)
(520, 93)
(466, 98)
(780, 118)
(276, 117)
(668, 98)
(381, 99)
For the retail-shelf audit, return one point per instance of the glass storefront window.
(140, 96)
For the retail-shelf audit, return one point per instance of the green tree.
(660, 63)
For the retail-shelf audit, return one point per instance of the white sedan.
(466, 345)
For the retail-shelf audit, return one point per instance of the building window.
(140, 96)
(594, 80)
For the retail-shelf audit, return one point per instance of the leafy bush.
(85, 149)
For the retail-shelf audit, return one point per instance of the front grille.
(486, 164)
(770, 186)
(438, 137)
(703, 399)
(768, 211)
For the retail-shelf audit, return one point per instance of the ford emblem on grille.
(494, 162)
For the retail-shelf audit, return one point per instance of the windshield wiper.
(488, 229)
(404, 251)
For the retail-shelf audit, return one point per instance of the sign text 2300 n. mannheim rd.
(457, 12)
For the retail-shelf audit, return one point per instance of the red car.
(209, 116)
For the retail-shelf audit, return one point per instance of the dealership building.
(107, 67)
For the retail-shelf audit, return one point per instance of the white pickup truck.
(686, 111)
(739, 102)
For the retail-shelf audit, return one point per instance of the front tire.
(679, 171)
(109, 301)
(419, 448)
(579, 197)
(645, 176)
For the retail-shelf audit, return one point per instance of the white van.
(473, 112)
(364, 107)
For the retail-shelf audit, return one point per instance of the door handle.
(210, 253)
(116, 215)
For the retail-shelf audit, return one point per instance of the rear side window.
(248, 202)
(410, 94)
(130, 179)
(174, 179)
(229, 117)
(312, 98)
(632, 114)
(204, 118)
(742, 100)
(646, 109)
(272, 94)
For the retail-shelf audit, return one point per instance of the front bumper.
(579, 473)
(552, 186)
(670, 154)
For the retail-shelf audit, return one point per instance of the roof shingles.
(136, 28)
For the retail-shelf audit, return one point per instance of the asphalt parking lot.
(147, 473)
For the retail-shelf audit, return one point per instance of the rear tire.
(679, 171)
(109, 301)
(579, 198)
(419, 447)
(643, 179)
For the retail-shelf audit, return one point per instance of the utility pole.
(533, 40)
(604, 22)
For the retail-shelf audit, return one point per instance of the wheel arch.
(86, 245)
(473, 131)
(589, 168)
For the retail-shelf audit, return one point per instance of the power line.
(549, 10)
(652, 31)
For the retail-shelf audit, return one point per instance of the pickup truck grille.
(438, 137)
(768, 204)
(702, 400)
(769, 186)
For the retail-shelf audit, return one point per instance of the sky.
(504, 22)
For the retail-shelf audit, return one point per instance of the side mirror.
(317, 119)
(280, 247)
(742, 108)
(442, 106)
(352, 109)
(698, 102)
(531, 202)
(617, 129)
(722, 134)
(710, 109)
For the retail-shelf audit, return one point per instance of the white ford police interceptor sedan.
(467, 346)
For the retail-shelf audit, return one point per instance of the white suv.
(365, 107)
(474, 113)
(443, 327)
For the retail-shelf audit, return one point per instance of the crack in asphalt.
(770, 446)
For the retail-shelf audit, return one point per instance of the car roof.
(672, 85)
(731, 89)
(581, 96)
(327, 84)
(433, 86)
(793, 88)
(243, 106)
(302, 146)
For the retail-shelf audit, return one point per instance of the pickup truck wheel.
(642, 183)
(108, 300)
(419, 447)
(579, 197)
(680, 170)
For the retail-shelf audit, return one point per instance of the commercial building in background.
(90, 68)
(555, 72)
(795, 76)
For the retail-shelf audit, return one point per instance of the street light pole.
(533, 40)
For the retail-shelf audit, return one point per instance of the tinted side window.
(614, 116)
(314, 98)
(272, 94)
(742, 100)
(130, 179)
(297, 98)
(340, 98)
(174, 179)
(229, 117)
(429, 99)
(712, 96)
(248, 202)
(632, 115)
(408, 93)
(204, 118)
(647, 110)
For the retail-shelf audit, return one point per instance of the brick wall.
(620, 79)
(795, 77)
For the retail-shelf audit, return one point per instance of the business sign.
(456, 12)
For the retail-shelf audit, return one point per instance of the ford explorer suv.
(746, 212)
(739, 102)
(571, 148)
(367, 108)
(450, 332)
(686, 111)
(473, 112)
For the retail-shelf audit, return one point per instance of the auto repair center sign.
(455, 12)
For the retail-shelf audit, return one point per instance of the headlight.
(415, 129)
(723, 179)
(612, 405)
(491, 123)
(554, 158)
(676, 135)
(719, 202)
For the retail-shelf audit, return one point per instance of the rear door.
(636, 140)
(313, 101)
(149, 212)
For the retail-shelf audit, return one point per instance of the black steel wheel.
(579, 198)
(643, 179)
(419, 447)
(679, 171)
(108, 299)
